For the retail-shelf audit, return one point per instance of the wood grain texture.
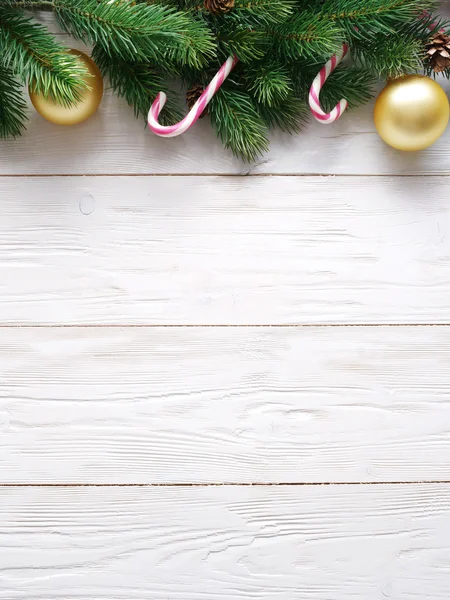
(297, 543)
(216, 250)
(114, 142)
(203, 405)
(183, 405)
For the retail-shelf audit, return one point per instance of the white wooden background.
(222, 381)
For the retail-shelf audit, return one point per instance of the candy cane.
(196, 110)
(317, 85)
(325, 72)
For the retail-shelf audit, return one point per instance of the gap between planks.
(214, 325)
(242, 174)
(222, 484)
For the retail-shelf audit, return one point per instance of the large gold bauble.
(77, 113)
(411, 113)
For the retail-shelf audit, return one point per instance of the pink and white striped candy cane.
(196, 110)
(317, 85)
(325, 72)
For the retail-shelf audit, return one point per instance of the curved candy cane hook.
(196, 110)
(318, 83)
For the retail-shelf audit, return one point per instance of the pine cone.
(218, 7)
(438, 52)
(193, 94)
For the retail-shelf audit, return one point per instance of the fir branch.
(238, 123)
(32, 53)
(281, 44)
(136, 31)
(247, 45)
(260, 13)
(269, 83)
(244, 12)
(290, 116)
(390, 56)
(138, 83)
(353, 83)
(305, 36)
(360, 19)
(12, 105)
(132, 30)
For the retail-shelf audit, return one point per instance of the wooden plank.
(183, 405)
(114, 142)
(215, 250)
(193, 543)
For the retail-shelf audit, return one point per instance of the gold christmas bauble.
(411, 113)
(77, 113)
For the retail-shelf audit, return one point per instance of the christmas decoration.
(318, 83)
(193, 94)
(85, 107)
(411, 113)
(281, 45)
(438, 52)
(129, 38)
(198, 108)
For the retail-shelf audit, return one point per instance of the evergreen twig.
(281, 45)
(238, 123)
(138, 83)
(28, 50)
(12, 105)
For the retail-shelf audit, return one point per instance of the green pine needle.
(138, 83)
(281, 45)
(305, 36)
(362, 18)
(137, 31)
(353, 83)
(290, 116)
(247, 45)
(238, 123)
(12, 105)
(270, 84)
(28, 50)
(397, 55)
(261, 13)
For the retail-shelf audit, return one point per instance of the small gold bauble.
(77, 113)
(411, 113)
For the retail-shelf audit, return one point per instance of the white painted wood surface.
(224, 250)
(159, 326)
(214, 405)
(293, 543)
(114, 142)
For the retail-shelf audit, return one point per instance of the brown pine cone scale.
(438, 52)
(218, 7)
